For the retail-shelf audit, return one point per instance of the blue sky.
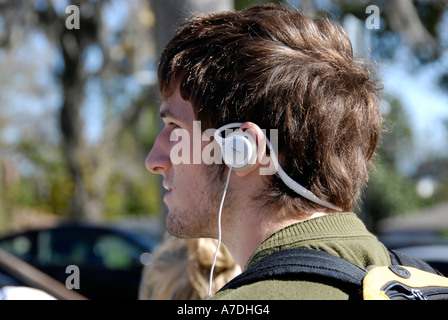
(427, 108)
(426, 104)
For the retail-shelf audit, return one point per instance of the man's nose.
(158, 160)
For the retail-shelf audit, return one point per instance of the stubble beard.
(199, 218)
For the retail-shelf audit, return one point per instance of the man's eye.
(172, 125)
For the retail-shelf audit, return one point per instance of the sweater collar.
(309, 233)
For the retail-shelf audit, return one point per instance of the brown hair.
(281, 69)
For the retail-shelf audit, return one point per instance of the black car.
(109, 259)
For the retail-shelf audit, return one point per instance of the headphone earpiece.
(239, 149)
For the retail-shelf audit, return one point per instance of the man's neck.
(252, 228)
(246, 225)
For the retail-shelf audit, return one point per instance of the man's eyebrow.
(168, 112)
(165, 113)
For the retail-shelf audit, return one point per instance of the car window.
(61, 248)
(117, 252)
(21, 246)
(87, 248)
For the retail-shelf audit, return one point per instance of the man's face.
(193, 191)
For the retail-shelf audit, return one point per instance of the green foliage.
(392, 191)
(396, 142)
(130, 189)
(132, 198)
(49, 187)
(389, 192)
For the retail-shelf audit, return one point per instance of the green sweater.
(342, 234)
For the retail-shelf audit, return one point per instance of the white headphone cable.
(219, 235)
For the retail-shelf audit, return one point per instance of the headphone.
(239, 152)
(239, 149)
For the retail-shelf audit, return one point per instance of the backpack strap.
(402, 259)
(306, 264)
(318, 266)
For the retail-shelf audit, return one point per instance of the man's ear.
(260, 140)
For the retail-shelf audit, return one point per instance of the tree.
(105, 175)
(390, 191)
(89, 165)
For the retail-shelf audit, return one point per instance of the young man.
(271, 69)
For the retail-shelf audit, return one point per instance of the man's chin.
(177, 227)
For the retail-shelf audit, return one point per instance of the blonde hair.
(181, 268)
